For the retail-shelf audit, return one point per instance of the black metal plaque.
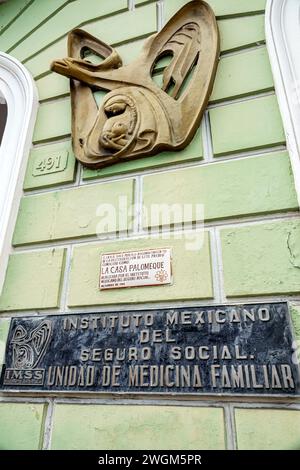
(237, 349)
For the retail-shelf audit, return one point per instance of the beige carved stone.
(137, 117)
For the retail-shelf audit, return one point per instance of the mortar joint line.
(241, 99)
(230, 427)
(215, 267)
(79, 174)
(48, 426)
(131, 5)
(139, 203)
(65, 280)
(220, 267)
(164, 169)
(207, 138)
(160, 9)
(247, 402)
(150, 305)
(157, 232)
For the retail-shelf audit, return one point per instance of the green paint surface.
(67, 175)
(21, 426)
(53, 120)
(129, 25)
(126, 26)
(220, 7)
(39, 65)
(246, 126)
(235, 7)
(74, 212)
(234, 188)
(9, 11)
(131, 50)
(262, 259)
(52, 86)
(33, 280)
(242, 74)
(29, 20)
(192, 152)
(137, 427)
(191, 254)
(76, 14)
(238, 33)
(268, 429)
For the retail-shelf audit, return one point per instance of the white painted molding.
(283, 42)
(19, 90)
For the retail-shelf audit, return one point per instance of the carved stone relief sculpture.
(138, 117)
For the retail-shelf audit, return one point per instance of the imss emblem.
(28, 349)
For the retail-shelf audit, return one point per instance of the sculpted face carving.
(139, 117)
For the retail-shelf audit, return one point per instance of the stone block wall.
(237, 167)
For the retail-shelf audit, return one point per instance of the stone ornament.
(30, 347)
(137, 117)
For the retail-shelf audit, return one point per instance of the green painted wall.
(277, 429)
(240, 172)
(21, 426)
(137, 427)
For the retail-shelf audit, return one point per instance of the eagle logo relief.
(138, 116)
(28, 348)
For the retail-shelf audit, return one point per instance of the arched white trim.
(283, 42)
(18, 88)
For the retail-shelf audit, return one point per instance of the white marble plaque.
(135, 268)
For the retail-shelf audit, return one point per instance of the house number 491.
(50, 164)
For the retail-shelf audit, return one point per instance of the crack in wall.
(293, 257)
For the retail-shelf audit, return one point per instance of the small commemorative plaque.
(228, 350)
(135, 268)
